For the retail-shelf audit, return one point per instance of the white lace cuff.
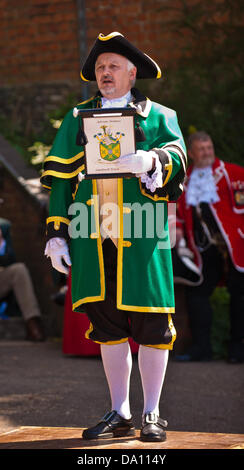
(156, 179)
(54, 245)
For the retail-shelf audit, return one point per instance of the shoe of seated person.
(111, 425)
(153, 428)
(34, 330)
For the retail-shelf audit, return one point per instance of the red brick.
(47, 31)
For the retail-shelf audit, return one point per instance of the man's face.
(202, 153)
(113, 77)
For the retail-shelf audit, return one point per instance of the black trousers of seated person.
(200, 310)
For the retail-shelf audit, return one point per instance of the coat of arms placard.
(109, 134)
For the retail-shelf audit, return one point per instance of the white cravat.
(117, 102)
(201, 187)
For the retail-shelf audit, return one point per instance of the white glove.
(139, 162)
(57, 249)
(81, 176)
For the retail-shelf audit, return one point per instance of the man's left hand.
(139, 162)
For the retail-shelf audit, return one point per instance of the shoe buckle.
(150, 418)
(107, 416)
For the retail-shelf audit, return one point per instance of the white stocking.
(117, 363)
(152, 364)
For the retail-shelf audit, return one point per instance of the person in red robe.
(210, 223)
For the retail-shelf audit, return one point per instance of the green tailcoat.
(144, 268)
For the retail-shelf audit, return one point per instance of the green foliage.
(42, 142)
(15, 135)
(34, 146)
(206, 87)
(209, 101)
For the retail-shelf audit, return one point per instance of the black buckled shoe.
(111, 425)
(153, 428)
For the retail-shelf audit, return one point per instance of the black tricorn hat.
(115, 42)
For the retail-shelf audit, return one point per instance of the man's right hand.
(57, 250)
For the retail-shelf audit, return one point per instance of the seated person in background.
(210, 217)
(15, 277)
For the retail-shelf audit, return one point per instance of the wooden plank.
(31, 437)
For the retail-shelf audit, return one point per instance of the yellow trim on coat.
(169, 167)
(99, 240)
(85, 300)
(58, 219)
(60, 174)
(121, 245)
(100, 254)
(171, 147)
(156, 197)
(75, 191)
(135, 308)
(65, 161)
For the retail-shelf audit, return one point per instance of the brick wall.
(28, 234)
(39, 38)
(39, 41)
(43, 42)
(142, 22)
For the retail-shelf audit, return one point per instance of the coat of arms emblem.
(109, 144)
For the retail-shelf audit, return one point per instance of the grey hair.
(131, 66)
(198, 135)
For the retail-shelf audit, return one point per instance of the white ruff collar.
(201, 187)
(117, 102)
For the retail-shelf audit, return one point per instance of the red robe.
(74, 328)
(228, 211)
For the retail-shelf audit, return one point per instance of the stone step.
(12, 328)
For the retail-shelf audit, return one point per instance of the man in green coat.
(113, 232)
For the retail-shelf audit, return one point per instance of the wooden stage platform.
(31, 437)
